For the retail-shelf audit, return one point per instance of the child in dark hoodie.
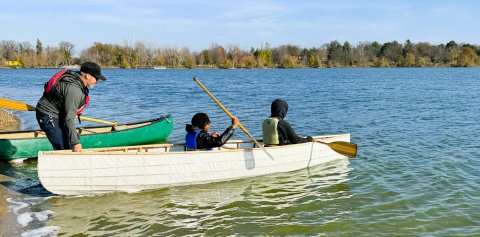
(277, 131)
(197, 133)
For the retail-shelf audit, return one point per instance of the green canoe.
(26, 144)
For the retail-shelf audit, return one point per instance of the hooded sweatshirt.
(286, 134)
(63, 101)
(205, 140)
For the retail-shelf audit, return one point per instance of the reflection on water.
(214, 209)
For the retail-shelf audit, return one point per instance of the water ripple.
(416, 173)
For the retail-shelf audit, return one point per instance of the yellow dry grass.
(8, 121)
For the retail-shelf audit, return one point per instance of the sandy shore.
(8, 121)
(4, 193)
(6, 219)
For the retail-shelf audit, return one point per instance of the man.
(277, 131)
(64, 98)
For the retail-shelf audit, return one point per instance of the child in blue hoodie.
(198, 137)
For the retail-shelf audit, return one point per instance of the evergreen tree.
(39, 47)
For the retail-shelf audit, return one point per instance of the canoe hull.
(89, 173)
(153, 131)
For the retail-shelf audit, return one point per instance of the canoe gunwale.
(26, 144)
(141, 123)
(128, 150)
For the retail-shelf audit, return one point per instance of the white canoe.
(135, 168)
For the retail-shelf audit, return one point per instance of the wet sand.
(8, 122)
(4, 194)
(7, 221)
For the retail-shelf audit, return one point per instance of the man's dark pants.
(55, 129)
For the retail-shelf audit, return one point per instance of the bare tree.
(187, 59)
(90, 55)
(279, 54)
(54, 56)
(150, 48)
(26, 54)
(8, 49)
(66, 49)
(172, 57)
(160, 59)
(140, 49)
(129, 57)
(218, 55)
(233, 52)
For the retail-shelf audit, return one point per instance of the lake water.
(416, 173)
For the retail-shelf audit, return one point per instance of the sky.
(197, 24)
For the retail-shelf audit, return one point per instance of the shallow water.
(416, 173)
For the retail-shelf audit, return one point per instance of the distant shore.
(8, 121)
(334, 54)
(208, 67)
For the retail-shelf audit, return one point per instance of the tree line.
(333, 54)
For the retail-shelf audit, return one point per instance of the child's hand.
(215, 134)
(235, 122)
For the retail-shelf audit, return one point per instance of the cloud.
(283, 21)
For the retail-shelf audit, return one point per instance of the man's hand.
(215, 134)
(77, 147)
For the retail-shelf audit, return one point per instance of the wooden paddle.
(344, 148)
(15, 105)
(231, 116)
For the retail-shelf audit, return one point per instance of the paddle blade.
(344, 148)
(15, 105)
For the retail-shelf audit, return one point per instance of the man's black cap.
(92, 69)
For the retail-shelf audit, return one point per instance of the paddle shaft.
(114, 124)
(15, 105)
(229, 114)
(222, 107)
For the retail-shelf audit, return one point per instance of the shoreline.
(8, 121)
(247, 68)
